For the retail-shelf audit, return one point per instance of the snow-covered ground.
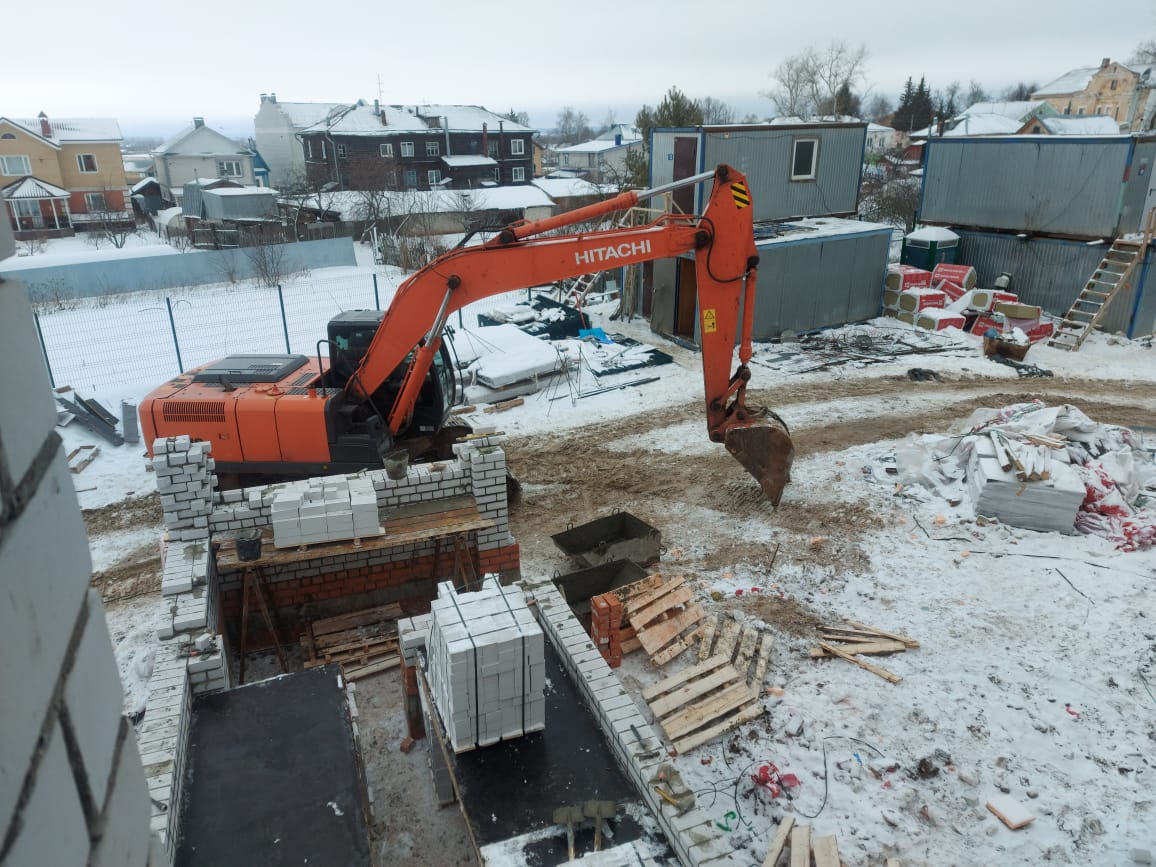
(1038, 650)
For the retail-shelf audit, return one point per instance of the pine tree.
(902, 117)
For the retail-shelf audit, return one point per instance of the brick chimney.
(485, 140)
(198, 122)
(1104, 63)
(45, 126)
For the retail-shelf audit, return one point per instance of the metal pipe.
(675, 185)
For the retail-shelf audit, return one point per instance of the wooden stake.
(862, 663)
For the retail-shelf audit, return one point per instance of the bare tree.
(269, 263)
(791, 92)
(715, 111)
(946, 101)
(975, 93)
(1144, 53)
(573, 126)
(608, 121)
(750, 117)
(878, 108)
(834, 74)
(894, 202)
(1020, 91)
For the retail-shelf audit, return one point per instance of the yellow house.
(61, 175)
(1112, 90)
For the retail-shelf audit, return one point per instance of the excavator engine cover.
(766, 452)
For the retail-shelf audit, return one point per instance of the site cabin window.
(341, 151)
(407, 149)
(517, 146)
(410, 178)
(433, 176)
(229, 168)
(387, 150)
(86, 163)
(18, 166)
(432, 149)
(519, 174)
(95, 203)
(804, 159)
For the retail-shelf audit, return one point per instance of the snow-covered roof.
(786, 120)
(212, 142)
(1019, 110)
(932, 233)
(878, 127)
(142, 183)
(984, 124)
(1072, 81)
(629, 132)
(303, 114)
(73, 129)
(363, 120)
(1092, 124)
(348, 203)
(243, 191)
(33, 188)
(566, 188)
(466, 160)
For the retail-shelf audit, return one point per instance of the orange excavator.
(388, 381)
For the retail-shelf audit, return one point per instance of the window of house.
(15, 166)
(492, 150)
(323, 154)
(1035, 127)
(433, 176)
(26, 207)
(1081, 111)
(8, 135)
(309, 148)
(94, 203)
(517, 146)
(387, 150)
(341, 151)
(1112, 84)
(229, 169)
(86, 163)
(432, 149)
(410, 178)
(519, 174)
(1099, 109)
(497, 176)
(565, 160)
(804, 159)
(407, 149)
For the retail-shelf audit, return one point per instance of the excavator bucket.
(766, 452)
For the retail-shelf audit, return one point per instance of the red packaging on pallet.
(922, 298)
(937, 320)
(1042, 331)
(960, 275)
(983, 300)
(983, 323)
(904, 277)
(951, 290)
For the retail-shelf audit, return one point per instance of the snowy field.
(1037, 650)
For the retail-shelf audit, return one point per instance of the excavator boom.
(726, 261)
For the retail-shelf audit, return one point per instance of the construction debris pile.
(1051, 469)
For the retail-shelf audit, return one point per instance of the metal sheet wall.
(763, 154)
(1051, 272)
(1058, 186)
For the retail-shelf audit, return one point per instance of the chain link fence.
(128, 344)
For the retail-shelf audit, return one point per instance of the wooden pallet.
(664, 616)
(361, 642)
(701, 702)
(747, 647)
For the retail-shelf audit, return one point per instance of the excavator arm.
(722, 241)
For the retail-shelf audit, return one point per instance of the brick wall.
(71, 786)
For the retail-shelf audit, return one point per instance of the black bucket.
(396, 463)
(249, 545)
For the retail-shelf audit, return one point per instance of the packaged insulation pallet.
(487, 666)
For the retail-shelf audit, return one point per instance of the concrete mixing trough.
(578, 587)
(618, 536)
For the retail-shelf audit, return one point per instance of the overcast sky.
(155, 68)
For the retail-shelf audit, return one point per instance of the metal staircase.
(1113, 272)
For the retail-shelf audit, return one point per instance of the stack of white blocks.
(487, 667)
(325, 510)
(185, 482)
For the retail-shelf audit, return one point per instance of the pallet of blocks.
(486, 665)
(701, 702)
(663, 614)
(362, 642)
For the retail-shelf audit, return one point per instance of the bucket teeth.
(766, 452)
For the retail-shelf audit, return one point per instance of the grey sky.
(155, 70)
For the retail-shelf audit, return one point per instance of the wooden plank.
(867, 648)
(745, 714)
(676, 598)
(670, 702)
(835, 633)
(657, 637)
(372, 668)
(893, 862)
(632, 590)
(677, 680)
(746, 650)
(779, 841)
(763, 660)
(695, 716)
(643, 599)
(706, 637)
(801, 846)
(349, 647)
(504, 405)
(352, 619)
(862, 663)
(679, 646)
(726, 642)
(826, 851)
(1010, 811)
(630, 645)
(910, 642)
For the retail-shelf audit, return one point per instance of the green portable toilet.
(930, 246)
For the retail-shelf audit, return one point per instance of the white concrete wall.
(72, 790)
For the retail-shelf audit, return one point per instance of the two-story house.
(275, 130)
(416, 147)
(1125, 94)
(60, 175)
(198, 152)
(602, 159)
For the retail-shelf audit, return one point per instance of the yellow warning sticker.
(740, 194)
(709, 322)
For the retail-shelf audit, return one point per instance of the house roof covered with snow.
(200, 139)
(303, 114)
(70, 129)
(596, 146)
(362, 119)
(33, 188)
(350, 204)
(466, 160)
(629, 132)
(984, 124)
(1072, 81)
(567, 188)
(1020, 110)
(1092, 124)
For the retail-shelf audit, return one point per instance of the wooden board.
(630, 645)
(746, 713)
(677, 680)
(675, 598)
(359, 671)
(762, 661)
(689, 692)
(726, 640)
(649, 595)
(746, 650)
(779, 841)
(826, 851)
(656, 637)
(801, 846)
(862, 663)
(675, 648)
(1010, 811)
(910, 642)
(353, 619)
(871, 647)
(697, 715)
(706, 637)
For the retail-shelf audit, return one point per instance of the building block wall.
(72, 790)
